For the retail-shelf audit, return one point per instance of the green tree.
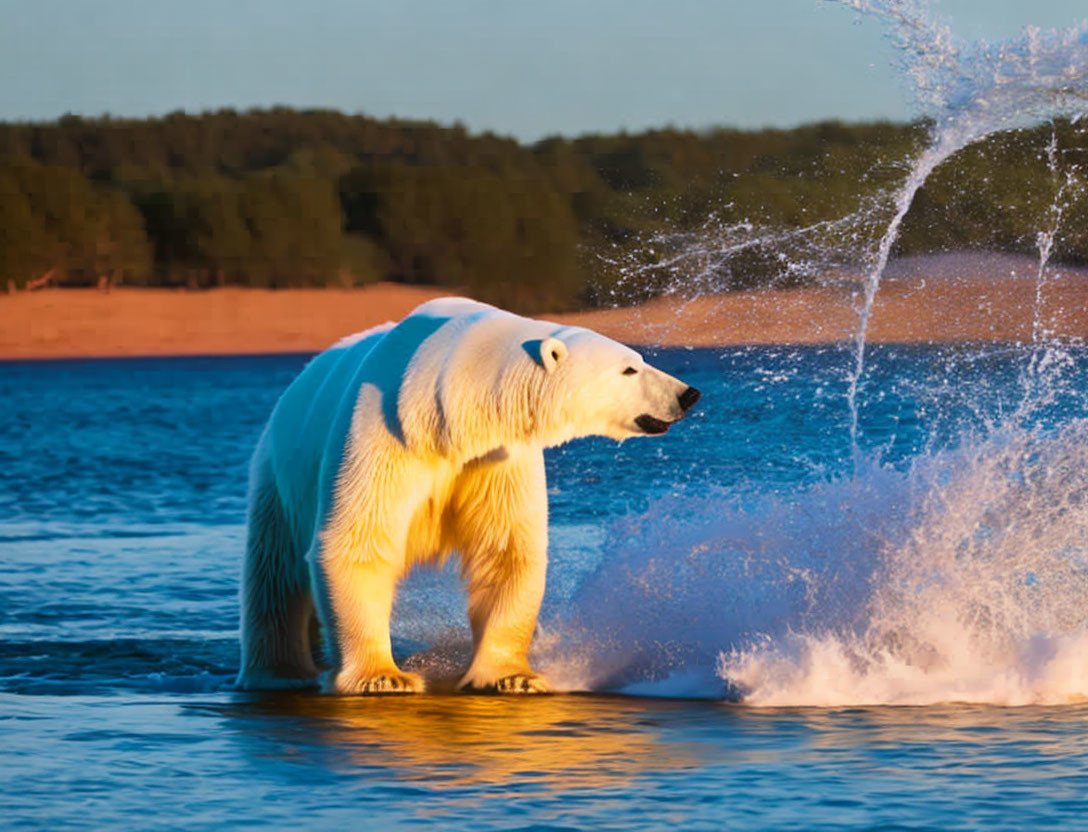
(295, 225)
(512, 241)
(26, 250)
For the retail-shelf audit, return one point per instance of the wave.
(963, 577)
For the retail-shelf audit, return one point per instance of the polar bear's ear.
(552, 353)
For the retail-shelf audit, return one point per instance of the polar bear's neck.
(470, 392)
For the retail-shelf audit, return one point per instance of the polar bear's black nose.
(688, 398)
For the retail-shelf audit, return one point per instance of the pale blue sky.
(521, 68)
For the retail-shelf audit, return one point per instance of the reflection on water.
(568, 761)
(586, 761)
(546, 743)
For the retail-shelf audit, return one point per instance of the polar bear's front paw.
(388, 681)
(523, 683)
(515, 683)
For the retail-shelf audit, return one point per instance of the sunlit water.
(738, 559)
(850, 591)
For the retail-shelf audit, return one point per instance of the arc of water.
(925, 165)
(972, 91)
(1044, 241)
(969, 91)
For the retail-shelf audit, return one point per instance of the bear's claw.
(523, 683)
(514, 684)
(382, 683)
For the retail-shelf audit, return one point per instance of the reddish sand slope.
(86, 322)
(905, 311)
(74, 322)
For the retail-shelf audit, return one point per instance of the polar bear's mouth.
(651, 424)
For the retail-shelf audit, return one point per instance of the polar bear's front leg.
(503, 608)
(504, 540)
(361, 595)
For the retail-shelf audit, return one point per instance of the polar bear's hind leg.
(277, 604)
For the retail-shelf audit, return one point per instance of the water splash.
(963, 577)
(967, 91)
(978, 597)
(1049, 361)
(970, 90)
(982, 599)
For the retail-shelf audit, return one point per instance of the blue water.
(685, 566)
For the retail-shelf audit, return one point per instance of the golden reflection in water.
(554, 742)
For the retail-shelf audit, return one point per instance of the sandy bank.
(73, 322)
(906, 311)
(57, 323)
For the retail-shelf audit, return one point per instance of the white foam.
(984, 599)
(964, 578)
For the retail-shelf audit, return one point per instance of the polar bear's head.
(600, 387)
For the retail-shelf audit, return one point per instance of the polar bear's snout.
(654, 426)
(688, 399)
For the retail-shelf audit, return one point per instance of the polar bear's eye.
(630, 371)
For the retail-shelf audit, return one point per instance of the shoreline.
(87, 323)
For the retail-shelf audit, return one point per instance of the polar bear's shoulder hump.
(454, 307)
(358, 337)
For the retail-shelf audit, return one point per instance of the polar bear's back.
(312, 415)
(312, 418)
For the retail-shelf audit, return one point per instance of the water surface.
(735, 560)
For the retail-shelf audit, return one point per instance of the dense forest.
(283, 198)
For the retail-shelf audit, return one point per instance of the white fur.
(404, 445)
(352, 340)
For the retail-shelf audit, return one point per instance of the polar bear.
(404, 445)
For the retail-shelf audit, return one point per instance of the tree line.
(285, 198)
